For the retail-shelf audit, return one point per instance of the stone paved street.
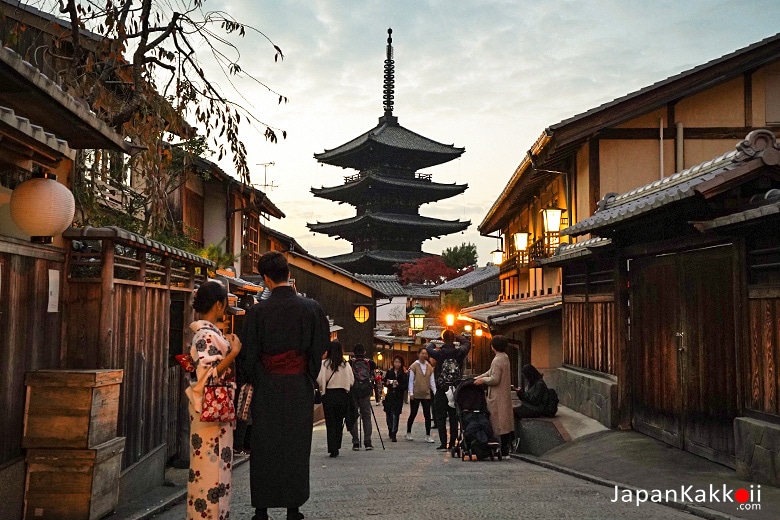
(411, 480)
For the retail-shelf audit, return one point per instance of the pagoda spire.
(389, 83)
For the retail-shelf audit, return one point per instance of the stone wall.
(757, 450)
(588, 394)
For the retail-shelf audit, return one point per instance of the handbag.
(244, 402)
(318, 394)
(218, 403)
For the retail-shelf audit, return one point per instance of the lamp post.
(417, 318)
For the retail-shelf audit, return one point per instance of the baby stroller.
(475, 438)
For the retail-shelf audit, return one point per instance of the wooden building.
(41, 128)
(634, 140)
(688, 269)
(387, 191)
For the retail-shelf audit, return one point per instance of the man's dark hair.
(500, 343)
(274, 265)
(359, 349)
(448, 337)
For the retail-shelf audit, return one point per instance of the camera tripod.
(360, 426)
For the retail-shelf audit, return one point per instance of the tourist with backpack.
(363, 370)
(448, 373)
(537, 399)
(499, 394)
(396, 382)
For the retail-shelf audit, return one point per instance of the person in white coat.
(334, 380)
(422, 388)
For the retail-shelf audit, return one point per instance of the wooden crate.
(69, 484)
(71, 408)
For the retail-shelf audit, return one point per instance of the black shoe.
(294, 514)
(393, 439)
(260, 515)
(442, 447)
(334, 454)
(356, 447)
(369, 448)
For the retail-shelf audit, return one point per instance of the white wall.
(391, 310)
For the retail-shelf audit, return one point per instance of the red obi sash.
(286, 363)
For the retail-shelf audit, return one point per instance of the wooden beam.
(594, 175)
(622, 352)
(670, 118)
(748, 87)
(106, 332)
(720, 132)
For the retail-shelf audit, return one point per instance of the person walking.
(422, 387)
(363, 370)
(396, 383)
(448, 373)
(335, 380)
(499, 394)
(211, 443)
(284, 337)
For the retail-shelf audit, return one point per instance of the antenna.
(265, 185)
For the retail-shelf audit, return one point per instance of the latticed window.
(251, 243)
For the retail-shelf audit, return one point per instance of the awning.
(505, 312)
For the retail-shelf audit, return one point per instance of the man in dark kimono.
(283, 340)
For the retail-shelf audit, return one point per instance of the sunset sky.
(485, 75)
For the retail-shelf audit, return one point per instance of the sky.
(487, 75)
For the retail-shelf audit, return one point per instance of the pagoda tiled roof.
(368, 261)
(389, 143)
(413, 223)
(422, 190)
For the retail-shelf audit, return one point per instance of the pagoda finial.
(389, 84)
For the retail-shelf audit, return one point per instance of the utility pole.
(265, 185)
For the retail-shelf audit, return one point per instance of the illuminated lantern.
(42, 207)
(478, 332)
(450, 319)
(521, 242)
(497, 256)
(552, 219)
(417, 317)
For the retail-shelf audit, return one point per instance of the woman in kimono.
(499, 394)
(211, 443)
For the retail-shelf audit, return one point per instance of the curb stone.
(700, 511)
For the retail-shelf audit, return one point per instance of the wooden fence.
(29, 333)
(119, 316)
(589, 333)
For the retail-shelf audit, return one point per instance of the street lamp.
(467, 328)
(417, 317)
(478, 332)
(497, 256)
(552, 219)
(450, 319)
(521, 242)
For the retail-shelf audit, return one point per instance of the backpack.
(450, 372)
(363, 380)
(551, 406)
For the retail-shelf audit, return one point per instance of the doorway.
(683, 351)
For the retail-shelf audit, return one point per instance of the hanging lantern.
(497, 256)
(42, 207)
(521, 242)
(450, 319)
(552, 219)
(417, 317)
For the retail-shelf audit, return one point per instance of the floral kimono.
(211, 443)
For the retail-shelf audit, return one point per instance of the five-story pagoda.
(388, 191)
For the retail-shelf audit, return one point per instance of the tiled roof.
(420, 189)
(394, 137)
(33, 95)
(127, 237)
(379, 255)
(424, 225)
(509, 311)
(287, 240)
(470, 279)
(420, 291)
(615, 208)
(23, 125)
(576, 250)
(386, 284)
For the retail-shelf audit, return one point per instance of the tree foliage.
(429, 270)
(460, 257)
(455, 300)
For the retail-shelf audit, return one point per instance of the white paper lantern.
(42, 207)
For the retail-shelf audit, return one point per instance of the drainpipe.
(661, 146)
(680, 142)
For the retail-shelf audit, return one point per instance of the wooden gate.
(684, 351)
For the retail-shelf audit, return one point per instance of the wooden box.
(71, 408)
(68, 484)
